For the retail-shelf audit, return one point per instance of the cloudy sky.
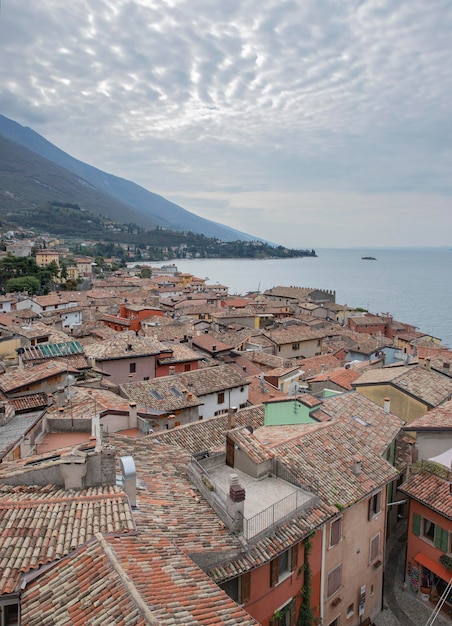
(312, 123)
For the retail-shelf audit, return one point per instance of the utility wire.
(432, 619)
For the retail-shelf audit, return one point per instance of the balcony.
(269, 501)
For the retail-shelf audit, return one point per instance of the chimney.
(214, 348)
(2, 413)
(133, 418)
(446, 365)
(172, 370)
(427, 364)
(387, 405)
(231, 417)
(236, 503)
(129, 479)
(61, 397)
(357, 466)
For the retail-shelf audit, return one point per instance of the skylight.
(360, 420)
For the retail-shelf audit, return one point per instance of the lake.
(414, 285)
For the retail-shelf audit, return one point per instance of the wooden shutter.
(441, 539)
(416, 524)
(274, 572)
(293, 613)
(294, 557)
(245, 582)
(374, 548)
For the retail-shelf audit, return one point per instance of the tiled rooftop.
(439, 418)
(369, 421)
(17, 378)
(133, 580)
(53, 522)
(426, 385)
(208, 435)
(125, 345)
(431, 490)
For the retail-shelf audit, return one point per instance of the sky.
(310, 123)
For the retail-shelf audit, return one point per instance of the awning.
(433, 566)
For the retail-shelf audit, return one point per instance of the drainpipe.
(322, 572)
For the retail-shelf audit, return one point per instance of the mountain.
(33, 171)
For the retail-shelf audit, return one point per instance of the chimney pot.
(357, 466)
(387, 405)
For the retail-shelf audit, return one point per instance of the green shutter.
(441, 539)
(444, 539)
(417, 524)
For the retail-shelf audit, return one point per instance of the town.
(173, 454)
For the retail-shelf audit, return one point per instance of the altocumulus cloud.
(311, 122)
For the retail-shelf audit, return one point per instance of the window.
(187, 367)
(350, 610)
(285, 615)
(132, 368)
(283, 565)
(375, 505)
(335, 622)
(431, 532)
(374, 548)
(220, 397)
(334, 581)
(238, 588)
(295, 346)
(335, 531)
(428, 529)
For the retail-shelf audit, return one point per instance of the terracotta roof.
(210, 434)
(297, 293)
(250, 445)
(314, 365)
(181, 353)
(15, 379)
(431, 490)
(134, 580)
(439, 418)
(208, 342)
(370, 422)
(30, 402)
(342, 377)
(167, 393)
(168, 505)
(212, 379)
(428, 386)
(124, 345)
(41, 524)
(293, 334)
(324, 455)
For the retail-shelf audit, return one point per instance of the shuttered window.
(334, 580)
(416, 524)
(374, 547)
(441, 539)
(245, 587)
(335, 531)
(375, 504)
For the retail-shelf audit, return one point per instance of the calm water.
(414, 285)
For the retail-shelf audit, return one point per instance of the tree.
(23, 283)
(145, 272)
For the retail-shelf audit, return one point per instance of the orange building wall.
(417, 544)
(265, 600)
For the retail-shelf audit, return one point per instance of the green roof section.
(50, 350)
(287, 412)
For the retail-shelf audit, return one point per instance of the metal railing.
(275, 514)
